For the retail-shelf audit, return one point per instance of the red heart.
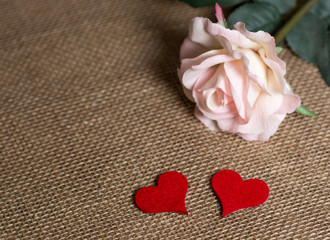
(168, 196)
(235, 194)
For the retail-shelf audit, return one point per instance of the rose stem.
(280, 35)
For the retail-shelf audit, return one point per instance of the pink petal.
(190, 49)
(228, 125)
(255, 67)
(192, 77)
(238, 86)
(210, 124)
(289, 104)
(276, 69)
(274, 123)
(253, 93)
(233, 36)
(215, 60)
(207, 79)
(191, 72)
(186, 91)
(230, 39)
(266, 106)
(199, 34)
(187, 63)
(219, 80)
(212, 110)
(261, 83)
(265, 40)
(213, 101)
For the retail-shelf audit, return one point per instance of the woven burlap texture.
(91, 110)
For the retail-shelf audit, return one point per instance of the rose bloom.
(235, 78)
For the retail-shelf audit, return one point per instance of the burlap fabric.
(92, 110)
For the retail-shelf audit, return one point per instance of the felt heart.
(235, 194)
(168, 196)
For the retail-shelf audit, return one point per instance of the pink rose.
(235, 78)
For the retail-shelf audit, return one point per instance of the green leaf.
(230, 3)
(325, 66)
(322, 9)
(283, 6)
(256, 16)
(278, 49)
(305, 111)
(222, 3)
(308, 38)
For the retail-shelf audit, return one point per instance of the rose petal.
(273, 124)
(253, 93)
(219, 80)
(255, 67)
(199, 34)
(191, 75)
(266, 105)
(237, 54)
(190, 62)
(195, 79)
(210, 124)
(190, 78)
(289, 104)
(228, 125)
(234, 37)
(190, 49)
(238, 86)
(265, 40)
(211, 61)
(228, 110)
(213, 99)
(278, 73)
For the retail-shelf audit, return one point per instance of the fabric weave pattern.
(91, 110)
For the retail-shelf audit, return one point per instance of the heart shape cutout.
(168, 196)
(235, 194)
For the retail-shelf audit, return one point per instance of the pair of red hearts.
(233, 192)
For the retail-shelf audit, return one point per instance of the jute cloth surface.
(92, 110)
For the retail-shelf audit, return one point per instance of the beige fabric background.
(91, 110)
